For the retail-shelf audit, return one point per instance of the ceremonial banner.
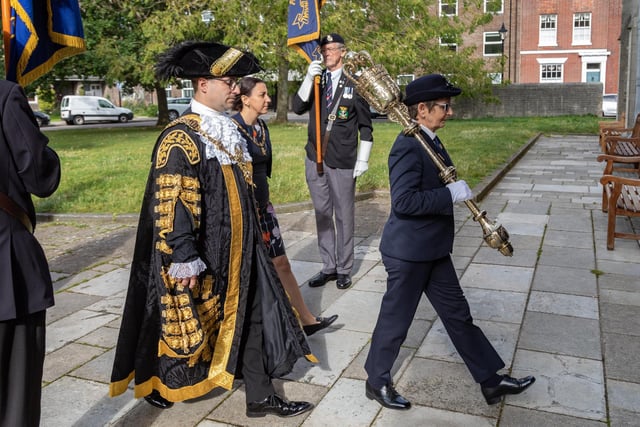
(304, 28)
(38, 34)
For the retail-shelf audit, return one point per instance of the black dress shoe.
(158, 401)
(321, 279)
(508, 385)
(323, 322)
(388, 397)
(276, 405)
(344, 281)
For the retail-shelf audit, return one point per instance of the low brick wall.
(535, 100)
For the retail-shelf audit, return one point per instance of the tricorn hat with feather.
(192, 59)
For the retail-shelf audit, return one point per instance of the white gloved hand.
(460, 191)
(362, 163)
(315, 69)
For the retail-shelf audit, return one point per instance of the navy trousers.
(438, 280)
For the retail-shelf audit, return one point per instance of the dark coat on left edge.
(27, 166)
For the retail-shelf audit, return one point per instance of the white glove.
(315, 69)
(362, 163)
(460, 191)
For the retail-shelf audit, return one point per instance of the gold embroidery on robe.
(177, 139)
(185, 333)
(170, 189)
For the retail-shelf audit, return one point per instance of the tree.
(405, 36)
(124, 38)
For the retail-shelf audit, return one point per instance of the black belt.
(10, 207)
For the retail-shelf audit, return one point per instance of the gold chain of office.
(262, 144)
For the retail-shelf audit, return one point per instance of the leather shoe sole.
(323, 322)
(158, 401)
(508, 385)
(275, 405)
(344, 281)
(321, 279)
(388, 397)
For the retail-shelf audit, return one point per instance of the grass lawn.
(105, 170)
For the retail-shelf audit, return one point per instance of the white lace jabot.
(219, 127)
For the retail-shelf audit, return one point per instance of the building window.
(448, 7)
(492, 44)
(496, 78)
(493, 6)
(187, 88)
(550, 73)
(548, 30)
(405, 79)
(582, 28)
(449, 42)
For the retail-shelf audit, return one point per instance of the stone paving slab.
(420, 415)
(575, 281)
(564, 385)
(561, 334)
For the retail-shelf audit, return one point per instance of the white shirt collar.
(428, 131)
(220, 127)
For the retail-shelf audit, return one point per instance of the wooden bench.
(619, 141)
(620, 196)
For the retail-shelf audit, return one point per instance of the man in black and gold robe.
(204, 303)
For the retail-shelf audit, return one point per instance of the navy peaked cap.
(428, 88)
(331, 38)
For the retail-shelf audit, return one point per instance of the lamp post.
(503, 33)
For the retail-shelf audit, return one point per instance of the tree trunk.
(163, 111)
(282, 107)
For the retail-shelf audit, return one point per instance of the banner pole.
(6, 32)
(319, 160)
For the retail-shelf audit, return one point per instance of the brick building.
(566, 41)
(548, 41)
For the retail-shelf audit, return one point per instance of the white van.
(76, 110)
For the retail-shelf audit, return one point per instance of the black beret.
(428, 88)
(192, 59)
(331, 38)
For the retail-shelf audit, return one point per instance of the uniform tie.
(329, 89)
(437, 141)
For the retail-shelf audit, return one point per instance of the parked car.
(177, 106)
(376, 114)
(77, 109)
(42, 118)
(610, 105)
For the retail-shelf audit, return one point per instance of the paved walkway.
(563, 308)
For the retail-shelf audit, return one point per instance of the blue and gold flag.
(304, 28)
(38, 34)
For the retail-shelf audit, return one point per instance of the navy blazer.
(420, 226)
(352, 117)
(27, 166)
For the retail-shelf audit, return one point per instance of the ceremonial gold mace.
(375, 84)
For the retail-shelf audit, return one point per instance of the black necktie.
(329, 89)
(437, 141)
